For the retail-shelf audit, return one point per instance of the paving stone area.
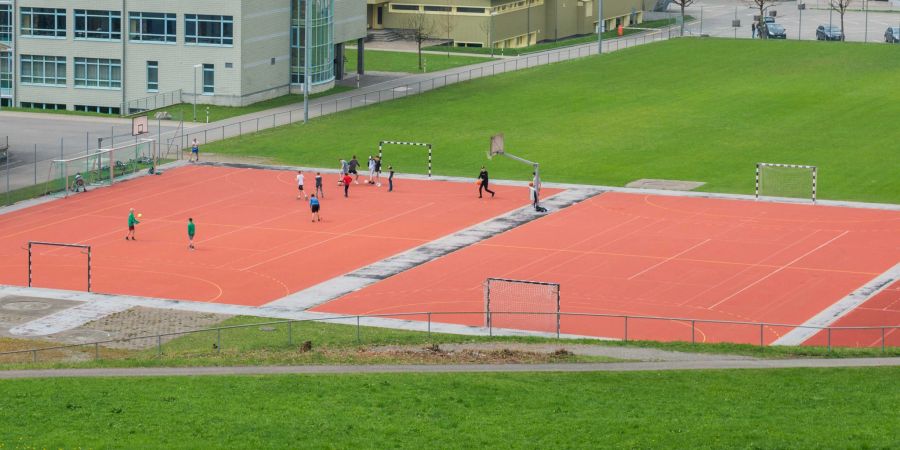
(16, 310)
(140, 321)
(668, 185)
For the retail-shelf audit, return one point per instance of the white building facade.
(107, 55)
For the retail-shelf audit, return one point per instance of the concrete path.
(455, 368)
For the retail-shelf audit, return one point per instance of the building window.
(433, 8)
(5, 22)
(469, 10)
(5, 74)
(152, 76)
(321, 62)
(209, 79)
(43, 22)
(91, 24)
(151, 27)
(53, 106)
(404, 7)
(43, 70)
(98, 109)
(208, 30)
(98, 73)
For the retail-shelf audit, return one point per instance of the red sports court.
(666, 256)
(255, 241)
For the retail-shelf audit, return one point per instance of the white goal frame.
(488, 320)
(105, 159)
(381, 145)
(813, 169)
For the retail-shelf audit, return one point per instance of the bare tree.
(841, 7)
(762, 6)
(683, 4)
(487, 28)
(448, 27)
(422, 28)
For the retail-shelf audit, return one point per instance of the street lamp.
(196, 66)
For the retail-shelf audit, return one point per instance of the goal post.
(101, 167)
(32, 244)
(381, 145)
(786, 181)
(521, 305)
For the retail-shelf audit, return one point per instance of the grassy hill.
(792, 408)
(690, 109)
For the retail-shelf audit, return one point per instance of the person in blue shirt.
(314, 207)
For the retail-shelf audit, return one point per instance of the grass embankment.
(691, 109)
(567, 42)
(384, 61)
(790, 408)
(332, 343)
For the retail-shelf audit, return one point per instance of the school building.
(502, 23)
(107, 55)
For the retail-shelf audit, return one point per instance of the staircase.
(385, 35)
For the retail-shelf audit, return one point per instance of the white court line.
(779, 269)
(667, 260)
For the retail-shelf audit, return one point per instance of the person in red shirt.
(347, 180)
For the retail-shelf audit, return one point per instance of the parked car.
(892, 35)
(769, 19)
(775, 31)
(829, 33)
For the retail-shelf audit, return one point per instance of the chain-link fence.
(359, 330)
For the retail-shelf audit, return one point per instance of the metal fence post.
(429, 326)
(760, 334)
(358, 340)
(829, 339)
(557, 324)
(218, 340)
(158, 345)
(693, 335)
(882, 339)
(290, 333)
(626, 329)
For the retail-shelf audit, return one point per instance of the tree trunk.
(843, 33)
(682, 17)
(762, 21)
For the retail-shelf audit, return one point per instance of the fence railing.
(160, 100)
(604, 326)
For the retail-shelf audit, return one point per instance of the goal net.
(424, 145)
(101, 167)
(521, 305)
(786, 180)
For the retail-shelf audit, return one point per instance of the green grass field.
(802, 408)
(690, 109)
(383, 61)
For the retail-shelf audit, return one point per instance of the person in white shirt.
(300, 185)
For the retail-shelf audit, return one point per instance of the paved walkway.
(455, 368)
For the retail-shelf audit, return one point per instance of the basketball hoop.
(496, 146)
(140, 125)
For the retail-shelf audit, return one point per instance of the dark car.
(775, 31)
(829, 33)
(892, 35)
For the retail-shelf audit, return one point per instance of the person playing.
(78, 183)
(753, 30)
(371, 179)
(347, 180)
(351, 168)
(378, 171)
(300, 185)
(390, 178)
(483, 176)
(191, 230)
(195, 151)
(534, 196)
(314, 207)
(132, 221)
(320, 191)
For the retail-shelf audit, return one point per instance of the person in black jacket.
(483, 176)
